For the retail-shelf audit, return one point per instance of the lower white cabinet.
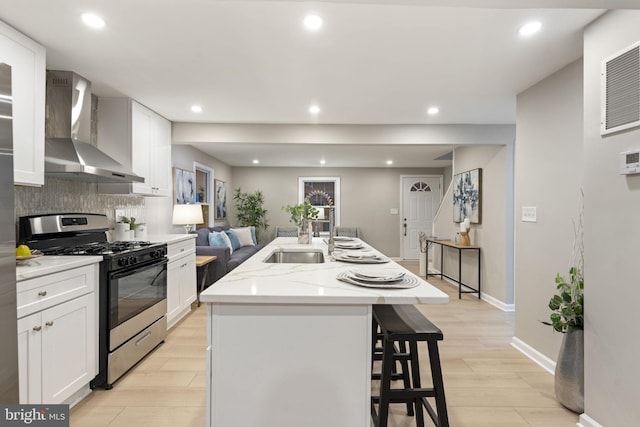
(57, 335)
(181, 279)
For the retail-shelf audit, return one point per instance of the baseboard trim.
(533, 354)
(586, 421)
(484, 296)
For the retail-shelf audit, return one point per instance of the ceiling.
(373, 62)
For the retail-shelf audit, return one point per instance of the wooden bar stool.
(405, 324)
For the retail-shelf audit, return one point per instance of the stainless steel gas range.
(133, 285)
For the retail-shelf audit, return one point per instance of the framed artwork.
(184, 186)
(220, 199)
(467, 196)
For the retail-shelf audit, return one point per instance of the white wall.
(492, 235)
(612, 203)
(548, 164)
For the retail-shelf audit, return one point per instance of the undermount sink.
(295, 256)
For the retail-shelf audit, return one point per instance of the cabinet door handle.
(42, 293)
(49, 323)
(37, 328)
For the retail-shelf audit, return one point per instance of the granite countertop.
(52, 264)
(256, 282)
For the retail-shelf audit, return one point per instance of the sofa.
(226, 261)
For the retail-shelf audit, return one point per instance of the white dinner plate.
(377, 275)
(406, 282)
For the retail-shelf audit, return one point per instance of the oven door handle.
(125, 273)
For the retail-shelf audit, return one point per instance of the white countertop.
(169, 238)
(256, 282)
(52, 264)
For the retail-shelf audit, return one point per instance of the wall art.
(184, 186)
(221, 199)
(467, 196)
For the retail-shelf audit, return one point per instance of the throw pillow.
(244, 236)
(219, 239)
(235, 243)
(253, 235)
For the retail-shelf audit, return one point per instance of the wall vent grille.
(621, 91)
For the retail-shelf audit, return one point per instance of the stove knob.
(122, 262)
(132, 260)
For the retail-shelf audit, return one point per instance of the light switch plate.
(393, 211)
(529, 214)
(119, 213)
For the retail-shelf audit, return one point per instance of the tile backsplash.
(70, 196)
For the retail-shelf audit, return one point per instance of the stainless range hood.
(68, 153)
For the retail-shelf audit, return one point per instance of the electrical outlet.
(529, 214)
(118, 214)
(393, 211)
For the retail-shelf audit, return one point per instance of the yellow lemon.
(23, 250)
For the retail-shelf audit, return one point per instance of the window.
(322, 192)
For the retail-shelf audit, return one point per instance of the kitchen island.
(289, 345)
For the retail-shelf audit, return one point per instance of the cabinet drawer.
(181, 248)
(43, 292)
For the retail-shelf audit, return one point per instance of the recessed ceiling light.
(93, 21)
(322, 162)
(196, 109)
(256, 161)
(530, 28)
(314, 109)
(389, 162)
(313, 22)
(433, 110)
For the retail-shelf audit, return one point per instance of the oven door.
(137, 298)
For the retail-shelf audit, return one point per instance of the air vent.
(621, 91)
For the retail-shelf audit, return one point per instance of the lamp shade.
(187, 214)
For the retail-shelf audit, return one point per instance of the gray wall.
(160, 209)
(367, 195)
(548, 164)
(612, 203)
(492, 234)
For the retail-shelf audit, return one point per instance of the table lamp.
(187, 215)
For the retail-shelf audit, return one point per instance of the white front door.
(421, 196)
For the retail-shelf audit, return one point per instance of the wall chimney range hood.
(68, 153)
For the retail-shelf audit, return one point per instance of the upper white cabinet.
(28, 61)
(138, 138)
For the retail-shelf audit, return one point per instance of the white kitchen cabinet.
(181, 279)
(28, 61)
(57, 335)
(141, 140)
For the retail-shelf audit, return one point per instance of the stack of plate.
(360, 258)
(376, 278)
(348, 245)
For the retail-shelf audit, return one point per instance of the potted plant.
(249, 210)
(567, 317)
(137, 228)
(301, 215)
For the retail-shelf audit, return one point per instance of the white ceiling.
(373, 62)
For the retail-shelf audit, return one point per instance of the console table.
(460, 249)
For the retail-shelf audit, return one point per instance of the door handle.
(404, 226)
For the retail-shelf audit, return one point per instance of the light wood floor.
(487, 382)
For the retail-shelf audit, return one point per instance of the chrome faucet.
(331, 224)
